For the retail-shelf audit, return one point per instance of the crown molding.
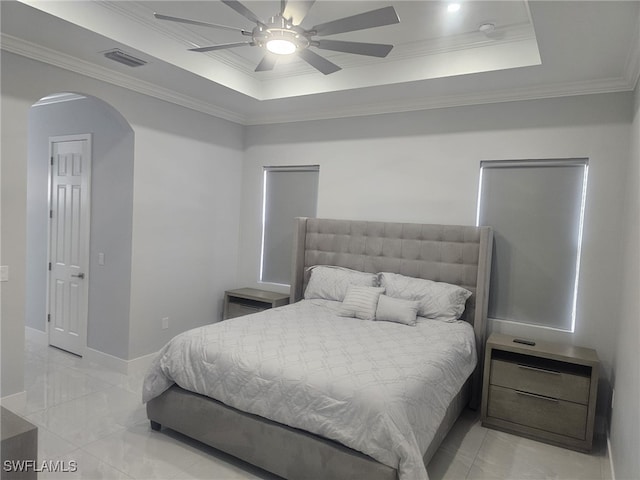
(58, 59)
(67, 62)
(567, 89)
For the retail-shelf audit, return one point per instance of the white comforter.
(378, 387)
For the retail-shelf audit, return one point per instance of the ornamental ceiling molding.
(609, 85)
(74, 64)
(421, 48)
(567, 89)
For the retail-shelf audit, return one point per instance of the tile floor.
(94, 417)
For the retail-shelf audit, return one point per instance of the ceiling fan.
(283, 35)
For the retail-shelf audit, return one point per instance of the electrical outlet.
(165, 323)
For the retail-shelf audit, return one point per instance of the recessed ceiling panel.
(429, 42)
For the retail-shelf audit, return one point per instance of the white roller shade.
(289, 192)
(536, 211)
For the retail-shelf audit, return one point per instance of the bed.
(292, 445)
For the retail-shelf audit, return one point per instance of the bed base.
(460, 255)
(288, 452)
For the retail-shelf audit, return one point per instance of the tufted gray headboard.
(460, 255)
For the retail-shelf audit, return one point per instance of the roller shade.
(536, 210)
(289, 192)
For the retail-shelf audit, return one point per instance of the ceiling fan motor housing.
(280, 29)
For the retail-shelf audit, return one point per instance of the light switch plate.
(101, 259)
(4, 273)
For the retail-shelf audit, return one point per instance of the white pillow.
(397, 310)
(437, 300)
(361, 302)
(331, 283)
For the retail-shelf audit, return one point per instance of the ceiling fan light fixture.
(278, 36)
(281, 46)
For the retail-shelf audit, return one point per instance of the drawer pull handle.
(540, 370)
(554, 400)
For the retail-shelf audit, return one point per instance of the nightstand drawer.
(238, 310)
(541, 390)
(245, 301)
(548, 414)
(541, 381)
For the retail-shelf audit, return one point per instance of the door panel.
(69, 244)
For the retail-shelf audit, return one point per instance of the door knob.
(80, 275)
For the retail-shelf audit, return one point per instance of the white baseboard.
(36, 336)
(16, 402)
(106, 360)
(126, 367)
(141, 364)
(609, 452)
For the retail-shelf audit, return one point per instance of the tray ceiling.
(439, 58)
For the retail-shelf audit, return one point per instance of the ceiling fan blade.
(361, 21)
(196, 22)
(222, 46)
(242, 10)
(318, 62)
(296, 10)
(372, 49)
(267, 63)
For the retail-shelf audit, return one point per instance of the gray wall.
(424, 167)
(186, 191)
(625, 417)
(13, 204)
(419, 166)
(111, 216)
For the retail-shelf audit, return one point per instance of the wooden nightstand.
(546, 391)
(244, 301)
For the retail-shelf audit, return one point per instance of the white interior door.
(69, 241)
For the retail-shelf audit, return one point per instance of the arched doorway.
(85, 302)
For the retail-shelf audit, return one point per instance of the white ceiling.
(539, 49)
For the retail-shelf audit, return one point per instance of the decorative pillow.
(361, 302)
(331, 283)
(397, 310)
(437, 300)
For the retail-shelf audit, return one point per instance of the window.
(289, 192)
(536, 209)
